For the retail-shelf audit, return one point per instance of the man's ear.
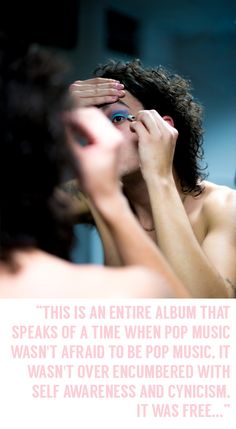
(169, 120)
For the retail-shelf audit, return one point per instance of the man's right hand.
(97, 91)
(98, 160)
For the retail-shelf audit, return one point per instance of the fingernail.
(120, 86)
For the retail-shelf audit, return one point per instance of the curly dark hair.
(169, 94)
(33, 153)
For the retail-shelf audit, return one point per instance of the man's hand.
(156, 142)
(97, 91)
(97, 162)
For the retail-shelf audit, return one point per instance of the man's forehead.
(106, 106)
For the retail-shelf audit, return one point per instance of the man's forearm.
(111, 254)
(178, 243)
(133, 245)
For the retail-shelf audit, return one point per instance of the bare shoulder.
(45, 276)
(125, 282)
(96, 281)
(91, 281)
(219, 203)
(133, 282)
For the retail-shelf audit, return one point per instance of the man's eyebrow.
(107, 105)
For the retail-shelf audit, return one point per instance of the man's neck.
(136, 191)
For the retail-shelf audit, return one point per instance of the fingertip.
(133, 126)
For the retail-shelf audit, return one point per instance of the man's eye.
(117, 119)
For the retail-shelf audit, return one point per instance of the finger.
(75, 149)
(96, 87)
(98, 92)
(97, 80)
(94, 125)
(165, 121)
(166, 124)
(159, 119)
(77, 131)
(148, 120)
(139, 128)
(95, 96)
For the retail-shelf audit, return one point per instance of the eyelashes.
(120, 116)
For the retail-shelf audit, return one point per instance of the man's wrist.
(109, 206)
(160, 181)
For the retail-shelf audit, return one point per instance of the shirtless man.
(38, 140)
(192, 221)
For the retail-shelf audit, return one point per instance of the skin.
(70, 281)
(197, 235)
(140, 278)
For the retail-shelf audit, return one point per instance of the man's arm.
(220, 242)
(203, 270)
(78, 201)
(95, 92)
(85, 212)
(133, 244)
(98, 175)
